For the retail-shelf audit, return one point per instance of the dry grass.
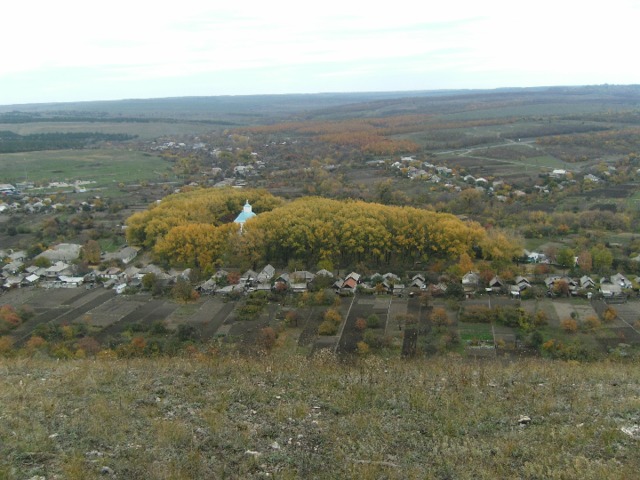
(228, 416)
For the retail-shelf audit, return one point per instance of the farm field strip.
(137, 315)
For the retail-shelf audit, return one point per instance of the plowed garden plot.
(626, 325)
(361, 308)
(114, 310)
(76, 314)
(311, 319)
(58, 313)
(206, 320)
(148, 313)
(580, 310)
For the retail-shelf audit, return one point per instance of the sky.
(71, 50)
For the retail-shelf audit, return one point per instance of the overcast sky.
(69, 50)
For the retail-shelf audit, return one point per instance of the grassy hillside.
(220, 415)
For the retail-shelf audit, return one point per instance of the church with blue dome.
(245, 215)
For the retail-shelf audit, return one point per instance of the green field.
(144, 130)
(475, 331)
(105, 167)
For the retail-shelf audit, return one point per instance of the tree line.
(11, 142)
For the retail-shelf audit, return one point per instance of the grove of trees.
(196, 229)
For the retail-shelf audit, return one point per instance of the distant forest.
(11, 142)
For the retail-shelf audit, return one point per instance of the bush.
(476, 314)
(332, 315)
(569, 325)
(439, 317)
(291, 318)
(362, 348)
(540, 319)
(591, 323)
(186, 332)
(610, 314)
(327, 328)
(373, 321)
(361, 324)
(267, 338)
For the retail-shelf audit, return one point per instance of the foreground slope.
(227, 416)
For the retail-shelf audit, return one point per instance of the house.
(302, 276)
(621, 280)
(299, 287)
(324, 273)
(18, 256)
(437, 289)
(13, 281)
(391, 277)
(31, 279)
(208, 287)
(418, 281)
(266, 274)
(113, 273)
(125, 254)
(514, 290)
(535, 257)
(553, 281)
(63, 252)
(496, 284)
(610, 290)
(13, 267)
(586, 282)
(57, 269)
(522, 283)
(249, 276)
(470, 281)
(7, 189)
(70, 282)
(592, 178)
(221, 274)
(398, 289)
(349, 284)
(354, 275)
(132, 272)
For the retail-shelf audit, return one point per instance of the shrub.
(609, 315)
(439, 317)
(373, 321)
(476, 314)
(35, 343)
(88, 345)
(540, 319)
(332, 315)
(6, 345)
(267, 338)
(186, 332)
(361, 324)
(291, 318)
(591, 323)
(569, 325)
(362, 348)
(327, 328)
(536, 340)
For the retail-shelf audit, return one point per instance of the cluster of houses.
(61, 270)
(21, 203)
(441, 174)
(613, 287)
